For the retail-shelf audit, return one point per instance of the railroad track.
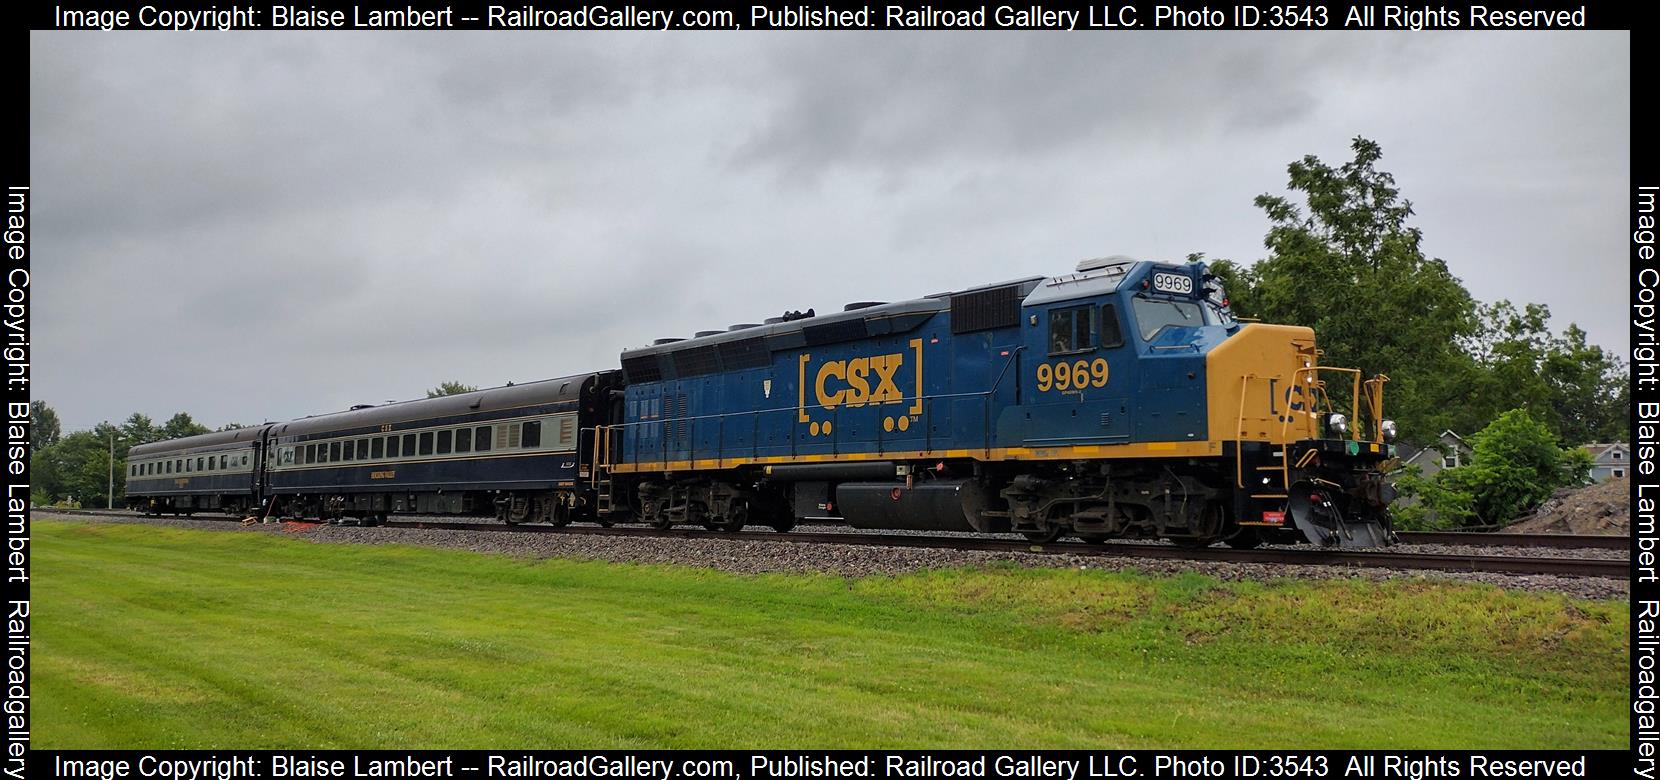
(1504, 564)
(1482, 539)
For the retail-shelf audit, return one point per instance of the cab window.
(1070, 330)
(1110, 334)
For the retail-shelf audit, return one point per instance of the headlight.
(1387, 427)
(1337, 425)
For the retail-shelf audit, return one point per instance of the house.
(1610, 461)
(1448, 450)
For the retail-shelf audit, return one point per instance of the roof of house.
(1599, 449)
(1443, 437)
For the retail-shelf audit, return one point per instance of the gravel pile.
(1603, 508)
(766, 554)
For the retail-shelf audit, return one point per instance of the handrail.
(1239, 432)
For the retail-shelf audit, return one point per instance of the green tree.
(47, 428)
(1346, 263)
(231, 427)
(181, 425)
(140, 429)
(450, 388)
(1515, 466)
(77, 467)
(1578, 390)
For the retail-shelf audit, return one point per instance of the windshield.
(1152, 315)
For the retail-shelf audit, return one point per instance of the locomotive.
(1119, 401)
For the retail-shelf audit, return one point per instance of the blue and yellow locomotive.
(1119, 401)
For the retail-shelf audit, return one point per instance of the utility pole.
(109, 503)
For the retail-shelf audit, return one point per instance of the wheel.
(783, 526)
(734, 525)
(1045, 536)
(1093, 538)
(1193, 543)
(1243, 539)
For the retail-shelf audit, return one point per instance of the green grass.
(152, 637)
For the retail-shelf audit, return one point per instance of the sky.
(254, 226)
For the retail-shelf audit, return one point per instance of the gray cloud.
(252, 225)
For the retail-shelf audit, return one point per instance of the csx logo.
(860, 381)
(873, 380)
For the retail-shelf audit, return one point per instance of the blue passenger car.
(211, 472)
(522, 453)
(1121, 400)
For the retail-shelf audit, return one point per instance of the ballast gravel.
(764, 555)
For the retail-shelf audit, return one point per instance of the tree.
(47, 428)
(231, 427)
(450, 388)
(77, 466)
(1515, 466)
(1347, 264)
(1576, 389)
(181, 425)
(140, 429)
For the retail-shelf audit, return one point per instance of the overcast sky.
(258, 226)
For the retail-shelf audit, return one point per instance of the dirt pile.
(1603, 508)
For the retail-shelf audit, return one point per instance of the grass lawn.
(154, 637)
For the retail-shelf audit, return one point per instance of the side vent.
(998, 307)
(696, 361)
(642, 369)
(748, 353)
(832, 332)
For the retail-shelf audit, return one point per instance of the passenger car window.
(464, 440)
(426, 443)
(391, 446)
(408, 444)
(1069, 330)
(334, 452)
(532, 435)
(481, 438)
(444, 442)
